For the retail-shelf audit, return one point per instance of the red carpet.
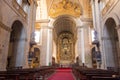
(62, 74)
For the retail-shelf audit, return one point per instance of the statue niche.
(65, 48)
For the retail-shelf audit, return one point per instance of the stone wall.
(9, 14)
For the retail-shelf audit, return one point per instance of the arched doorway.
(111, 45)
(16, 45)
(65, 38)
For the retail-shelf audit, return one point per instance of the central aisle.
(62, 74)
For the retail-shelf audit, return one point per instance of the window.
(37, 36)
(93, 35)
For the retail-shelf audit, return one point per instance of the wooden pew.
(32, 74)
(2, 78)
(88, 73)
(104, 78)
(9, 75)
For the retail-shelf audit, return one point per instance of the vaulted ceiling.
(65, 8)
(64, 24)
(84, 6)
(64, 12)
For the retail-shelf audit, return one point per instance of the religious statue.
(66, 47)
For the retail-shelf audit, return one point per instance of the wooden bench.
(9, 75)
(88, 73)
(2, 78)
(26, 74)
(104, 78)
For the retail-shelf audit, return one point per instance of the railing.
(19, 8)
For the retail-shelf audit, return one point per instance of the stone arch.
(65, 29)
(16, 45)
(23, 21)
(66, 16)
(114, 16)
(110, 42)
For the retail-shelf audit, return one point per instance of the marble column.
(87, 45)
(95, 12)
(46, 46)
(80, 45)
(49, 47)
(43, 46)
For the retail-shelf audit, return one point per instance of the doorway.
(65, 39)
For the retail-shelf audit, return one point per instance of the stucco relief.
(65, 7)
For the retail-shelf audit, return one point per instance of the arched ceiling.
(79, 9)
(64, 24)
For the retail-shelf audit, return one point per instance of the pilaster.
(80, 45)
(49, 47)
(118, 31)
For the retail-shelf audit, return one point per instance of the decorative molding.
(35, 1)
(109, 38)
(5, 27)
(19, 8)
(17, 39)
(43, 21)
(30, 1)
(110, 5)
(117, 27)
(14, 9)
(86, 19)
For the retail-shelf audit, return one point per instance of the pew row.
(82, 73)
(26, 74)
